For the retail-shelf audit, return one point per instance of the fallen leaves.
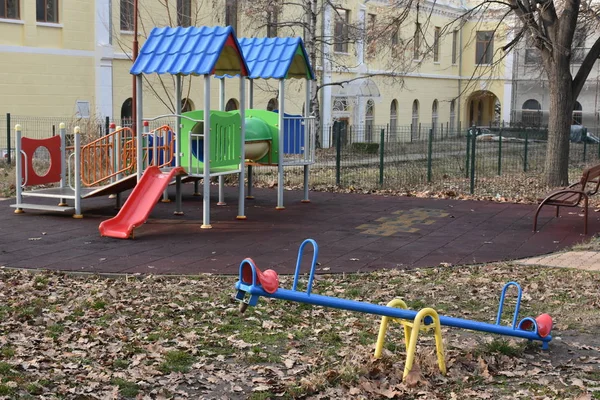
(158, 337)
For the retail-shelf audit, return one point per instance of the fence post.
(500, 150)
(338, 151)
(429, 151)
(474, 136)
(584, 130)
(526, 150)
(381, 151)
(8, 139)
(468, 152)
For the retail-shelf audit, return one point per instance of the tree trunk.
(311, 7)
(559, 125)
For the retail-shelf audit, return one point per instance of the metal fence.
(380, 157)
(408, 157)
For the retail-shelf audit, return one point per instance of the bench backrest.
(591, 175)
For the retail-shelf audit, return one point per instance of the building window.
(436, 44)
(484, 53)
(452, 115)
(369, 117)
(232, 104)
(47, 11)
(231, 14)
(415, 118)
(393, 120)
(434, 116)
(273, 105)
(126, 112)
(184, 13)
(341, 36)
(531, 113)
(272, 19)
(9, 9)
(577, 114)
(127, 15)
(371, 39)
(578, 46)
(186, 105)
(454, 46)
(417, 42)
(533, 56)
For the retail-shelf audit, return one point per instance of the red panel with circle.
(29, 147)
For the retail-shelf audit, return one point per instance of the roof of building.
(277, 58)
(191, 51)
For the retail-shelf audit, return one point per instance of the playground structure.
(253, 283)
(105, 166)
(117, 162)
(212, 143)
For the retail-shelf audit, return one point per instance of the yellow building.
(72, 58)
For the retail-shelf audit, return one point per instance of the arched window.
(531, 114)
(452, 116)
(369, 117)
(434, 116)
(577, 114)
(126, 112)
(186, 105)
(414, 125)
(273, 105)
(232, 104)
(393, 120)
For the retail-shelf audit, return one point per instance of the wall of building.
(46, 68)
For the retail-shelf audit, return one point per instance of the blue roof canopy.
(191, 51)
(278, 58)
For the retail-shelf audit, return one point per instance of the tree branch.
(585, 68)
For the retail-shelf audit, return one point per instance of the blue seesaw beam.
(255, 291)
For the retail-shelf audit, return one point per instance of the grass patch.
(6, 369)
(55, 330)
(126, 388)
(502, 346)
(120, 363)
(176, 361)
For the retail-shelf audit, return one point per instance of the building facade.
(531, 102)
(72, 58)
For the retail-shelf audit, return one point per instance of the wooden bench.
(572, 196)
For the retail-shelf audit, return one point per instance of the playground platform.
(355, 233)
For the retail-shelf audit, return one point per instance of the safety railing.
(109, 157)
(159, 146)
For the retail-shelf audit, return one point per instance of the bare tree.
(306, 18)
(551, 27)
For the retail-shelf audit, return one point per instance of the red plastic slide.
(140, 202)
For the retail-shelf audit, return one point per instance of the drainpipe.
(460, 58)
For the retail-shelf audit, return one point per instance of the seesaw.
(255, 283)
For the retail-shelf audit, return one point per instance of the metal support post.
(77, 179)
(221, 201)
(9, 156)
(178, 188)
(206, 154)
(19, 168)
(241, 203)
(63, 161)
(139, 123)
(280, 172)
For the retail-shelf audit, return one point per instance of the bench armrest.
(564, 191)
